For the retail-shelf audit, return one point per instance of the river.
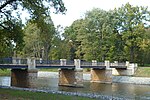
(129, 91)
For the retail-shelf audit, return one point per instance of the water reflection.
(130, 91)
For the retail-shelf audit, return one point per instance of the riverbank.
(32, 94)
(16, 93)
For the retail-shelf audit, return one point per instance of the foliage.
(33, 44)
(38, 38)
(130, 24)
(119, 34)
(11, 24)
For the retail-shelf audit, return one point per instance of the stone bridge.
(24, 71)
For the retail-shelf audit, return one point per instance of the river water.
(129, 91)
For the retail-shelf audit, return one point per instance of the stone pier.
(71, 77)
(129, 71)
(24, 77)
(101, 75)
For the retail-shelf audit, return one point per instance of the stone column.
(78, 73)
(63, 62)
(31, 64)
(94, 63)
(16, 60)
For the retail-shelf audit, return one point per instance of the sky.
(77, 8)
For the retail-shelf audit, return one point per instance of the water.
(131, 91)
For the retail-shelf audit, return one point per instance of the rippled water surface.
(131, 91)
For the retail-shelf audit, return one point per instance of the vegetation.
(11, 27)
(121, 34)
(8, 94)
(143, 72)
(5, 72)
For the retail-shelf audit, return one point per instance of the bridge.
(24, 71)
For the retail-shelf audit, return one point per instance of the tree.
(130, 24)
(32, 42)
(11, 26)
(95, 34)
(39, 37)
(91, 35)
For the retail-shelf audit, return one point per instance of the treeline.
(121, 34)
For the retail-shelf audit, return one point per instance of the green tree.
(32, 42)
(39, 37)
(96, 36)
(130, 25)
(11, 26)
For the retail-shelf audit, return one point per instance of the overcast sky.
(77, 8)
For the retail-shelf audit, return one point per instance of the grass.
(5, 72)
(143, 72)
(9, 94)
(49, 70)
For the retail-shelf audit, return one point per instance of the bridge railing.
(52, 62)
(85, 63)
(23, 61)
(100, 64)
(5, 60)
(118, 64)
(69, 62)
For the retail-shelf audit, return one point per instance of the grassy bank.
(143, 72)
(5, 72)
(9, 94)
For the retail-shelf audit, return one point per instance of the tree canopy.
(11, 24)
(119, 34)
